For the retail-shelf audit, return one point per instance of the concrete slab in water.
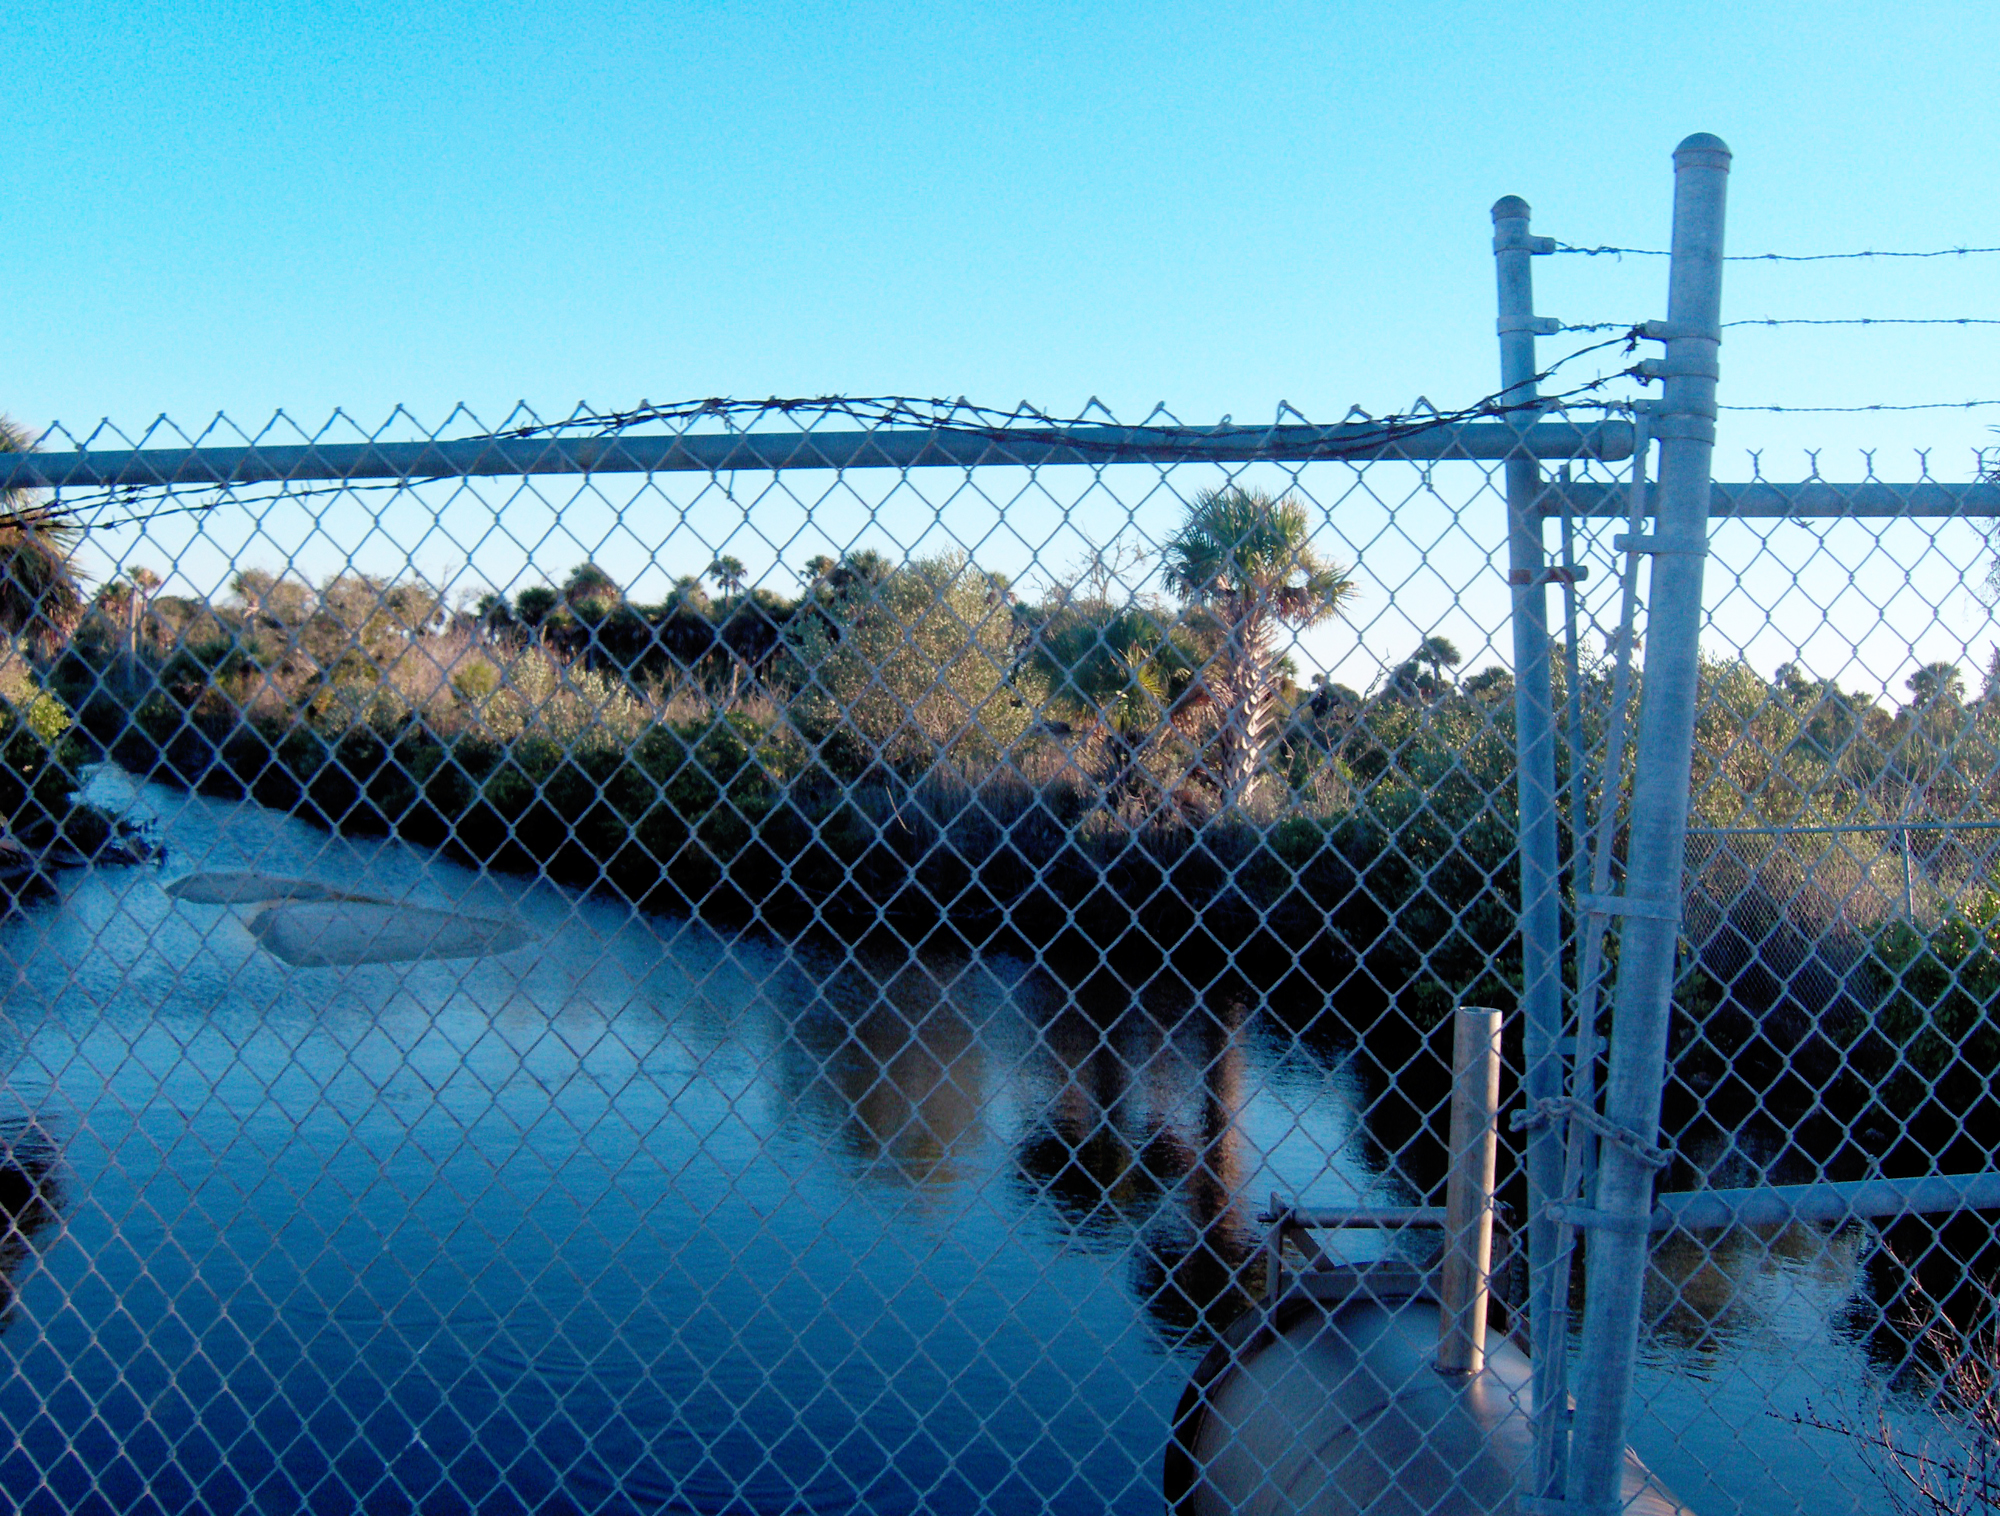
(247, 889)
(326, 934)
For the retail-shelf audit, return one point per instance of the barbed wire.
(1865, 321)
(116, 507)
(1659, 252)
(1619, 326)
(965, 417)
(1806, 410)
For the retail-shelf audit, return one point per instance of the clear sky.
(240, 207)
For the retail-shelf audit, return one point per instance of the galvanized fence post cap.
(1703, 150)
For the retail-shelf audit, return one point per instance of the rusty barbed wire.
(116, 507)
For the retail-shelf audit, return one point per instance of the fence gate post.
(1656, 856)
(1535, 768)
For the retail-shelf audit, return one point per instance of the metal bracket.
(1626, 542)
(1532, 577)
(1629, 905)
(1509, 242)
(1596, 1220)
(1671, 331)
(1684, 426)
(1681, 366)
(1538, 326)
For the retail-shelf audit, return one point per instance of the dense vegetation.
(1092, 777)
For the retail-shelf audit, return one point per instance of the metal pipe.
(1830, 1201)
(1387, 1217)
(1580, 1144)
(717, 452)
(1465, 1282)
(1685, 425)
(1535, 791)
(1759, 499)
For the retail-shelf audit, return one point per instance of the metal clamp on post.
(1684, 365)
(1674, 331)
(1628, 905)
(1602, 1221)
(1643, 542)
(1684, 426)
(1538, 326)
(1533, 577)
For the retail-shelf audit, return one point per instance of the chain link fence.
(887, 955)
(726, 988)
(1833, 1024)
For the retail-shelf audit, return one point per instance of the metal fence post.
(1685, 425)
(1535, 764)
(1466, 1285)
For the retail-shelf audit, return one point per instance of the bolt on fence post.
(1465, 1287)
(1535, 773)
(1656, 857)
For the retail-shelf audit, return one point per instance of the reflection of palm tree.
(1249, 560)
(1167, 1171)
(30, 1201)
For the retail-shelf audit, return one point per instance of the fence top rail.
(1815, 498)
(897, 448)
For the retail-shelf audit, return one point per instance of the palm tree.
(124, 602)
(729, 574)
(589, 593)
(1438, 654)
(1249, 561)
(536, 606)
(40, 601)
(1936, 683)
(1424, 673)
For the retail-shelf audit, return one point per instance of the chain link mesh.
(1834, 1015)
(833, 988)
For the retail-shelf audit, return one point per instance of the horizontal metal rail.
(1801, 501)
(1391, 1217)
(901, 448)
(1777, 1204)
(1914, 824)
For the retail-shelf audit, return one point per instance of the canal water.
(635, 1216)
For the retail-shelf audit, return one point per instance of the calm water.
(642, 1217)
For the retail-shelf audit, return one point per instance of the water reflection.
(686, 1204)
(30, 1202)
(885, 1056)
(1706, 1291)
(1139, 1146)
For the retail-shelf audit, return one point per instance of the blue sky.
(247, 207)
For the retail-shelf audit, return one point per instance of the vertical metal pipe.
(1535, 778)
(1685, 425)
(1465, 1285)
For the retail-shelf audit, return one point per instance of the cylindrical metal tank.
(1332, 1402)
